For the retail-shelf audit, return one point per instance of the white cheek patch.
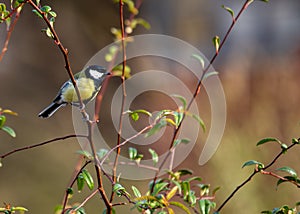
(95, 74)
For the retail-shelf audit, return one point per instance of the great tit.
(89, 82)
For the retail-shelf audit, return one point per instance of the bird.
(89, 82)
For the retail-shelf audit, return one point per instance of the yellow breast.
(86, 89)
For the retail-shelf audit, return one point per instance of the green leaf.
(85, 154)
(135, 114)
(138, 21)
(144, 23)
(185, 186)
(118, 189)
(154, 156)
(48, 32)
(52, 20)
(284, 147)
(182, 99)
(88, 179)
(172, 192)
(70, 191)
(171, 122)
(9, 131)
(101, 153)
(252, 162)
(46, 9)
(192, 198)
(162, 212)
(185, 172)
(37, 13)
(2, 7)
(205, 206)
(295, 141)
(195, 178)
(229, 10)
(178, 185)
(178, 141)
(113, 211)
(132, 153)
(20, 209)
(288, 178)
(2, 120)
(159, 187)
(266, 140)
(204, 189)
(212, 73)
(80, 182)
(157, 127)
(181, 206)
(200, 121)
(215, 190)
(7, 111)
(53, 14)
(289, 170)
(118, 70)
(136, 192)
(131, 7)
(200, 59)
(216, 42)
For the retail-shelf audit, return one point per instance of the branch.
(121, 4)
(253, 174)
(65, 53)
(199, 85)
(86, 200)
(40, 144)
(279, 177)
(97, 168)
(11, 28)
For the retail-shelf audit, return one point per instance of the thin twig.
(135, 163)
(40, 144)
(124, 142)
(86, 200)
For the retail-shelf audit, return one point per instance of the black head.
(96, 72)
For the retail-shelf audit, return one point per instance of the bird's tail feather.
(50, 110)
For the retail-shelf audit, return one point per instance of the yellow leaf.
(172, 192)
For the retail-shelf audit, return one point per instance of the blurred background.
(259, 69)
